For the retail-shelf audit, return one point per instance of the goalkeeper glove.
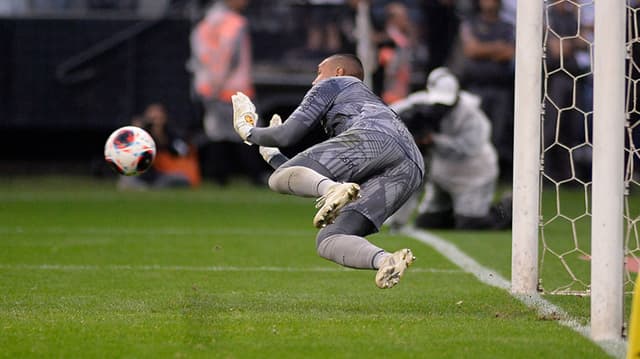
(269, 152)
(244, 115)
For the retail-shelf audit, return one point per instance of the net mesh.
(566, 143)
(632, 154)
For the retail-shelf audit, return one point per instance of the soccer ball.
(130, 150)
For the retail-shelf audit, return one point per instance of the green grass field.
(87, 271)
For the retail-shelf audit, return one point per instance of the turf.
(87, 271)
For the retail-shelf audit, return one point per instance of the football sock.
(300, 181)
(377, 260)
(350, 251)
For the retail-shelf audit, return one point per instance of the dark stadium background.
(67, 81)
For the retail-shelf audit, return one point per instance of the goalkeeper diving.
(367, 168)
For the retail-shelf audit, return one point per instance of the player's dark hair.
(351, 64)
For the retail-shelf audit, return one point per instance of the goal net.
(632, 153)
(566, 146)
(576, 164)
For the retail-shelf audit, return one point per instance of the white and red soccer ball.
(130, 150)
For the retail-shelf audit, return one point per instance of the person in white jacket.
(462, 164)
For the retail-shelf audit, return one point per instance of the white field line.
(488, 276)
(126, 267)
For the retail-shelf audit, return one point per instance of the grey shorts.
(374, 160)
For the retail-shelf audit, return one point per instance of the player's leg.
(348, 157)
(382, 195)
(297, 178)
(303, 181)
(343, 242)
(305, 175)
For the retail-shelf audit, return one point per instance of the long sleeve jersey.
(339, 104)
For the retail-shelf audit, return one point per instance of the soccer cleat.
(393, 267)
(338, 196)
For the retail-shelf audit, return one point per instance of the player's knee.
(278, 180)
(273, 180)
(349, 223)
(325, 233)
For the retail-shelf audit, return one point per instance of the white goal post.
(526, 157)
(607, 188)
(607, 250)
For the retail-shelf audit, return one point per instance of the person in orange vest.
(221, 63)
(395, 46)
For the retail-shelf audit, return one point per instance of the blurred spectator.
(378, 10)
(563, 123)
(439, 31)
(323, 33)
(221, 63)
(328, 27)
(176, 163)
(462, 163)
(488, 49)
(395, 44)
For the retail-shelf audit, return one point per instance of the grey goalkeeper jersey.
(339, 104)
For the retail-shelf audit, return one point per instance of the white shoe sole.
(333, 201)
(393, 268)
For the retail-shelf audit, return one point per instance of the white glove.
(268, 152)
(244, 115)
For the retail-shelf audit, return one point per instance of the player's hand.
(268, 152)
(244, 115)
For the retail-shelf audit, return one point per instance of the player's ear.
(339, 71)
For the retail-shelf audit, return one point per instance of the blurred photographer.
(176, 162)
(455, 136)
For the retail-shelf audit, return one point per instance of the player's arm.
(272, 155)
(245, 119)
(311, 110)
(287, 134)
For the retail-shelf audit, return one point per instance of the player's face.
(325, 70)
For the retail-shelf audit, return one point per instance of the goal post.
(526, 163)
(602, 249)
(607, 249)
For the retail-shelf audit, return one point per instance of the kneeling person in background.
(455, 136)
